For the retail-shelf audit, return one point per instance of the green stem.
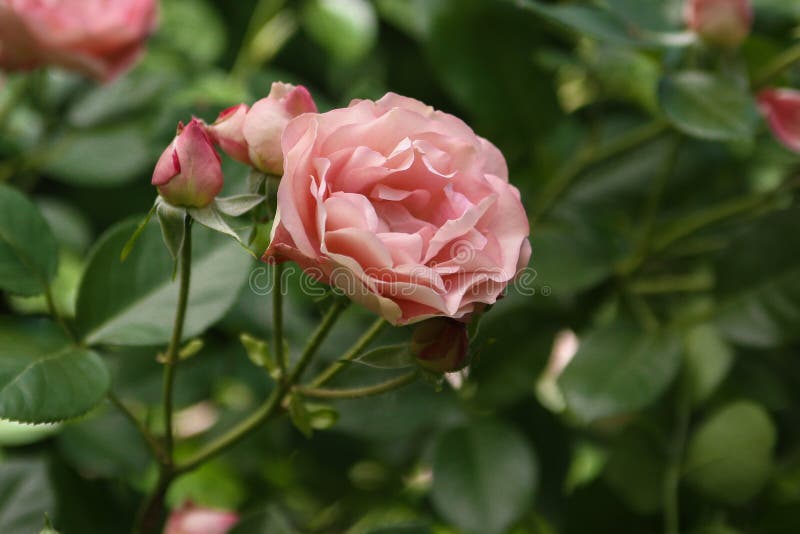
(333, 369)
(683, 411)
(153, 508)
(242, 61)
(651, 210)
(277, 318)
(775, 68)
(177, 334)
(591, 156)
(149, 439)
(360, 392)
(53, 310)
(275, 400)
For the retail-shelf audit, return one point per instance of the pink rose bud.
(781, 107)
(99, 38)
(191, 519)
(266, 120)
(440, 345)
(228, 132)
(724, 23)
(189, 172)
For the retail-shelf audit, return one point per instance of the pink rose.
(781, 107)
(721, 22)
(402, 207)
(100, 38)
(189, 172)
(191, 519)
(253, 136)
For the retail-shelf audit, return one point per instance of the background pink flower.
(100, 38)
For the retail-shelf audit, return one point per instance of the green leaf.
(300, 416)
(183, 20)
(43, 378)
(238, 205)
(259, 353)
(586, 20)
(270, 520)
(347, 29)
(171, 219)
(13, 434)
(636, 468)
(708, 107)
(133, 303)
(389, 357)
(484, 476)
(619, 369)
(758, 283)
(729, 458)
(104, 157)
(28, 250)
(708, 359)
(26, 495)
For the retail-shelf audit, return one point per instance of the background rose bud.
(189, 172)
(100, 38)
(781, 107)
(721, 22)
(191, 519)
(440, 345)
(266, 120)
(228, 132)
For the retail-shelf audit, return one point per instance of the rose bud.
(723, 23)
(189, 172)
(781, 107)
(99, 38)
(266, 120)
(191, 519)
(228, 132)
(440, 345)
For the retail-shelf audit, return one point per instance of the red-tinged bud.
(228, 132)
(725, 23)
(440, 345)
(189, 172)
(781, 107)
(191, 519)
(266, 120)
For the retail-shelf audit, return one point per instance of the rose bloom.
(722, 22)
(191, 519)
(403, 207)
(99, 38)
(781, 107)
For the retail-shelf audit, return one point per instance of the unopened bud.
(724, 23)
(189, 172)
(781, 107)
(440, 345)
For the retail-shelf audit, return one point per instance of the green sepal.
(299, 415)
(258, 352)
(126, 250)
(388, 357)
(238, 205)
(211, 218)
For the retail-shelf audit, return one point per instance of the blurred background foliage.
(664, 235)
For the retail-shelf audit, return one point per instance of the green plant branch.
(652, 207)
(275, 400)
(671, 500)
(53, 310)
(177, 334)
(590, 156)
(776, 67)
(359, 392)
(149, 439)
(333, 369)
(277, 318)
